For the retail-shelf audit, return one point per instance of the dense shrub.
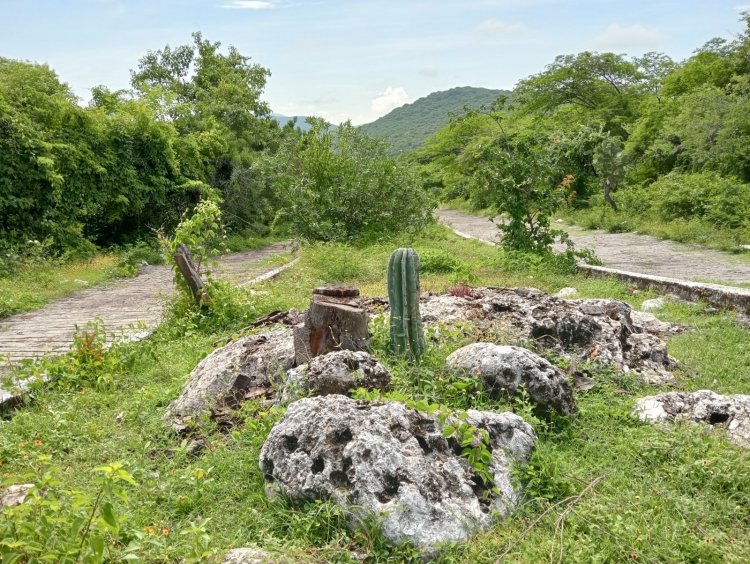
(723, 202)
(342, 185)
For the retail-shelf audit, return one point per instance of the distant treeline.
(132, 160)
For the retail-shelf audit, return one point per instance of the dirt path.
(627, 251)
(132, 306)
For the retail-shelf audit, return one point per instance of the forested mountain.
(407, 127)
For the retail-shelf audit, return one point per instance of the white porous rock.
(731, 412)
(601, 331)
(505, 369)
(392, 461)
(653, 304)
(229, 373)
(254, 555)
(14, 494)
(337, 372)
(566, 292)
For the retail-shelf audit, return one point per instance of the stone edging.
(715, 294)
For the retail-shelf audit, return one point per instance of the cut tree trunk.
(184, 260)
(334, 322)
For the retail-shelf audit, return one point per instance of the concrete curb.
(270, 274)
(715, 294)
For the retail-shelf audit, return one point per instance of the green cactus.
(403, 295)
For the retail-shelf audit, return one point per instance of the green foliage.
(342, 186)
(407, 335)
(517, 177)
(406, 128)
(65, 525)
(202, 232)
(91, 362)
(438, 261)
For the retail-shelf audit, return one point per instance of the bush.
(721, 201)
(342, 185)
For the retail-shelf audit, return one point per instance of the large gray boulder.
(704, 406)
(337, 372)
(589, 330)
(392, 461)
(505, 369)
(246, 367)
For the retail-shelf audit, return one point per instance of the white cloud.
(495, 27)
(391, 99)
(247, 5)
(617, 37)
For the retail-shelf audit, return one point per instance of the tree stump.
(184, 260)
(335, 321)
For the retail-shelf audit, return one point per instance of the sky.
(356, 59)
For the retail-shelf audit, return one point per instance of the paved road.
(627, 251)
(133, 305)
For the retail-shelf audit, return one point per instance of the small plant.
(57, 524)
(202, 233)
(407, 335)
(91, 362)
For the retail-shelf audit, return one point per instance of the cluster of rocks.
(598, 330)
(387, 459)
(704, 406)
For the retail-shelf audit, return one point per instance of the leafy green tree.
(609, 164)
(517, 177)
(342, 185)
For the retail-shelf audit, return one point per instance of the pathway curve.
(630, 252)
(131, 305)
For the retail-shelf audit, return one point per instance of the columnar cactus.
(403, 296)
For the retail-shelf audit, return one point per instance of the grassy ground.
(645, 494)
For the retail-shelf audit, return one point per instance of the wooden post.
(184, 260)
(334, 322)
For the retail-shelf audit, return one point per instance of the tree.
(197, 87)
(342, 185)
(609, 164)
(517, 178)
(605, 87)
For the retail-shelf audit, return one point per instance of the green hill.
(407, 127)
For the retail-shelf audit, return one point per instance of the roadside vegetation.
(642, 143)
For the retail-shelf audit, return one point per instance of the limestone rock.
(651, 324)
(704, 406)
(504, 369)
(393, 461)
(654, 304)
(597, 330)
(253, 555)
(337, 372)
(246, 367)
(566, 292)
(14, 495)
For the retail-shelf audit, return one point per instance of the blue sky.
(356, 59)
